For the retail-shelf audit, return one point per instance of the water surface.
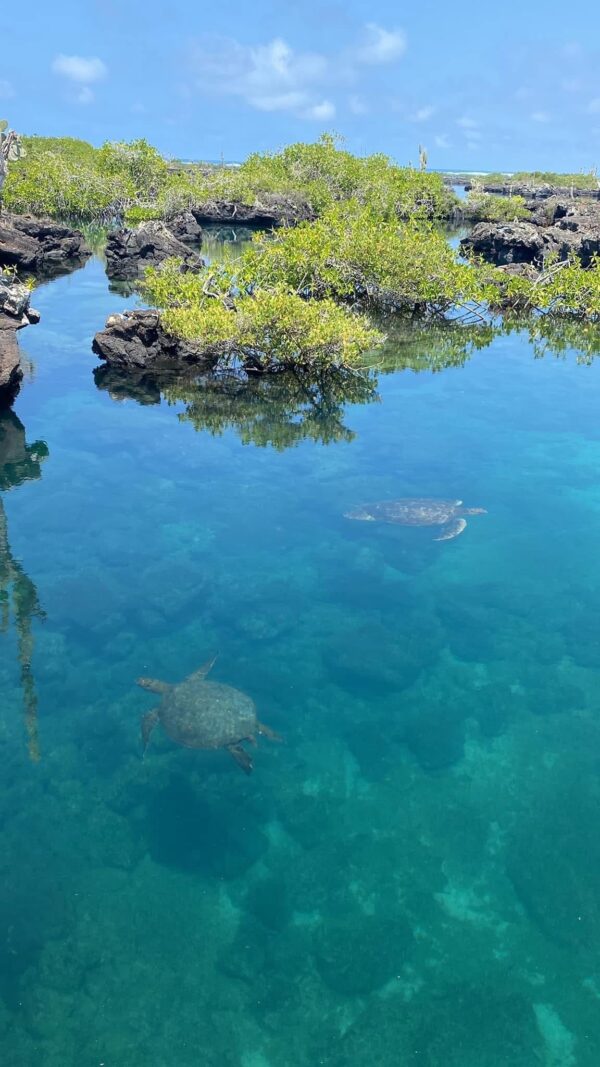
(414, 876)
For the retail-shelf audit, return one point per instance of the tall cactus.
(11, 148)
(422, 157)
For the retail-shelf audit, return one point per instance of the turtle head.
(363, 513)
(153, 685)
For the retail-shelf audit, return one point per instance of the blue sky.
(509, 85)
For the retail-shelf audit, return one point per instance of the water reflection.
(19, 462)
(279, 410)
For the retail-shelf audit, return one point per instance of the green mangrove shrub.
(262, 329)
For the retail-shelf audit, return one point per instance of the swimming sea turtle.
(201, 714)
(449, 514)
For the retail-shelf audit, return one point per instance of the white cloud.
(357, 105)
(79, 69)
(594, 106)
(382, 46)
(441, 141)
(323, 111)
(540, 116)
(270, 77)
(6, 90)
(467, 123)
(84, 95)
(422, 114)
(273, 76)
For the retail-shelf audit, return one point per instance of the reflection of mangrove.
(19, 462)
(279, 410)
(432, 348)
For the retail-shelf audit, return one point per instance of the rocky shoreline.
(40, 246)
(135, 340)
(15, 313)
(559, 228)
(130, 251)
(28, 246)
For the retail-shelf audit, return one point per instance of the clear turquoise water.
(414, 876)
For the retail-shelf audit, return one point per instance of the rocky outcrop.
(15, 313)
(185, 227)
(39, 246)
(557, 228)
(272, 210)
(129, 252)
(532, 190)
(136, 340)
(508, 242)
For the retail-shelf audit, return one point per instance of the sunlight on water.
(414, 875)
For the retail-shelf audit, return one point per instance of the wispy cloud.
(357, 105)
(273, 76)
(81, 72)
(381, 46)
(422, 114)
(84, 71)
(441, 141)
(6, 90)
(322, 112)
(467, 123)
(540, 116)
(593, 107)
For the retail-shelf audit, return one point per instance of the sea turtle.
(201, 714)
(449, 514)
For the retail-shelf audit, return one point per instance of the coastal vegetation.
(68, 177)
(366, 247)
(580, 180)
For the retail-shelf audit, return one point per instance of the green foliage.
(141, 213)
(568, 289)
(489, 208)
(66, 177)
(140, 166)
(264, 329)
(352, 253)
(319, 175)
(60, 177)
(544, 177)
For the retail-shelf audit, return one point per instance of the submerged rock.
(39, 245)
(137, 339)
(15, 313)
(361, 953)
(129, 252)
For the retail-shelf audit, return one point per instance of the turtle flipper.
(266, 731)
(241, 757)
(149, 721)
(203, 670)
(451, 529)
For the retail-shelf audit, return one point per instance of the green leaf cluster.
(579, 180)
(486, 207)
(318, 174)
(353, 253)
(69, 178)
(263, 329)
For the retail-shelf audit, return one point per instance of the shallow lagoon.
(414, 877)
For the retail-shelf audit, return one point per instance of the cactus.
(11, 149)
(422, 157)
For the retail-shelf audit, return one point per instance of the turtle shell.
(409, 511)
(200, 714)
